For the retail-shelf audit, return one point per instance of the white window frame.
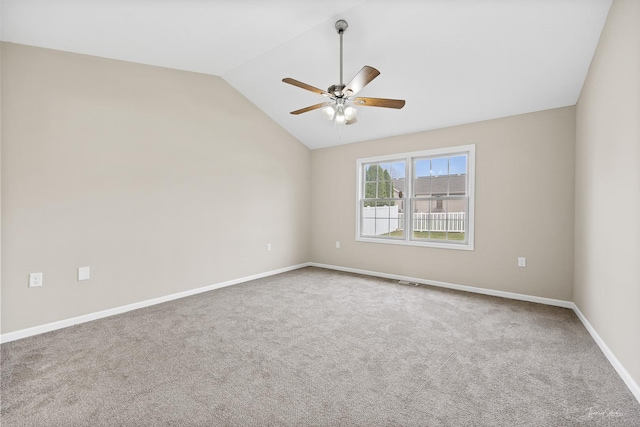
(408, 158)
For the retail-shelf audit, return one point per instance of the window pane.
(420, 219)
(422, 168)
(422, 177)
(384, 182)
(457, 185)
(397, 170)
(388, 219)
(439, 176)
(440, 166)
(398, 180)
(422, 186)
(380, 173)
(370, 190)
(440, 185)
(440, 219)
(387, 189)
(371, 173)
(457, 165)
(368, 225)
(456, 219)
(381, 218)
(457, 175)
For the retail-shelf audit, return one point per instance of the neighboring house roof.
(436, 185)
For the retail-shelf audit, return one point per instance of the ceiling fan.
(341, 108)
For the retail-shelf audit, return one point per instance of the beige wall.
(1, 46)
(159, 180)
(524, 207)
(607, 227)
(164, 181)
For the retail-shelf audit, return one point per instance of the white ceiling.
(453, 61)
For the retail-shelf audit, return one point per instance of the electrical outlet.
(84, 273)
(35, 280)
(337, 245)
(522, 261)
(268, 247)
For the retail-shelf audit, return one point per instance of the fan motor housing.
(336, 90)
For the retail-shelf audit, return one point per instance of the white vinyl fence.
(380, 220)
(442, 221)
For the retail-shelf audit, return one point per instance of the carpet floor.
(314, 347)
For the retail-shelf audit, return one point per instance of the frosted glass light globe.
(328, 112)
(350, 113)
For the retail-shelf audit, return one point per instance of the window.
(423, 198)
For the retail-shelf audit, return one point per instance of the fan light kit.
(341, 109)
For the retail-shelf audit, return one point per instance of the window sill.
(455, 246)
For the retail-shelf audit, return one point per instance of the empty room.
(320, 213)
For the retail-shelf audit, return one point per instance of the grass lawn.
(435, 235)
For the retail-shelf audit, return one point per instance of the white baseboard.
(24, 333)
(624, 374)
(473, 289)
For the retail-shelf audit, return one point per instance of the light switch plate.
(522, 261)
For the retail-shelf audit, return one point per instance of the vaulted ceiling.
(453, 61)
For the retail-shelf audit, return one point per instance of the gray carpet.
(322, 348)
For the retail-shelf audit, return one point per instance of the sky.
(429, 167)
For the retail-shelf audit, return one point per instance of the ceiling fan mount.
(340, 107)
(341, 26)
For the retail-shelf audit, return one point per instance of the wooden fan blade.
(352, 121)
(379, 102)
(306, 86)
(361, 79)
(311, 108)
